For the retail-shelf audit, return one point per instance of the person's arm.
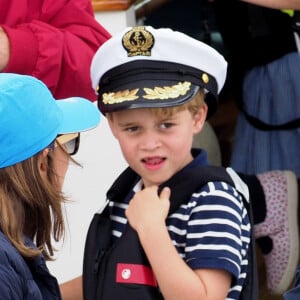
(276, 4)
(146, 214)
(72, 290)
(4, 49)
(57, 46)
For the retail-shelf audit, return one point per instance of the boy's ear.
(200, 118)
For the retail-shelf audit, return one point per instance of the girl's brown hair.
(31, 205)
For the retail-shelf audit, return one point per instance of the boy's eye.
(132, 128)
(166, 125)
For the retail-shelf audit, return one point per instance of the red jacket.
(53, 41)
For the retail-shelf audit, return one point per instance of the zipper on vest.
(98, 260)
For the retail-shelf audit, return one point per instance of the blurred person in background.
(261, 40)
(53, 41)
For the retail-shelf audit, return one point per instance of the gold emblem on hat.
(138, 41)
(205, 78)
(119, 97)
(167, 92)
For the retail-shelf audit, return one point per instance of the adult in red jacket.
(53, 41)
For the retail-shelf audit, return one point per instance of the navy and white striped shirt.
(211, 230)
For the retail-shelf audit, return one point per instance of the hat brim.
(148, 84)
(77, 115)
(147, 94)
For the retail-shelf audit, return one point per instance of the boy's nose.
(150, 141)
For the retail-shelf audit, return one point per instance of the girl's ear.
(199, 118)
(43, 162)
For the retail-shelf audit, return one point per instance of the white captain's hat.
(143, 67)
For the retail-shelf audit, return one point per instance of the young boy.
(171, 228)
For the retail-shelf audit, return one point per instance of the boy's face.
(156, 148)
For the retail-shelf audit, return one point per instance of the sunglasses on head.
(70, 142)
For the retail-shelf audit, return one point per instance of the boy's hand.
(147, 210)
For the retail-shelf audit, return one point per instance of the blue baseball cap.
(30, 117)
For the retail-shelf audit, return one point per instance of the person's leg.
(274, 200)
